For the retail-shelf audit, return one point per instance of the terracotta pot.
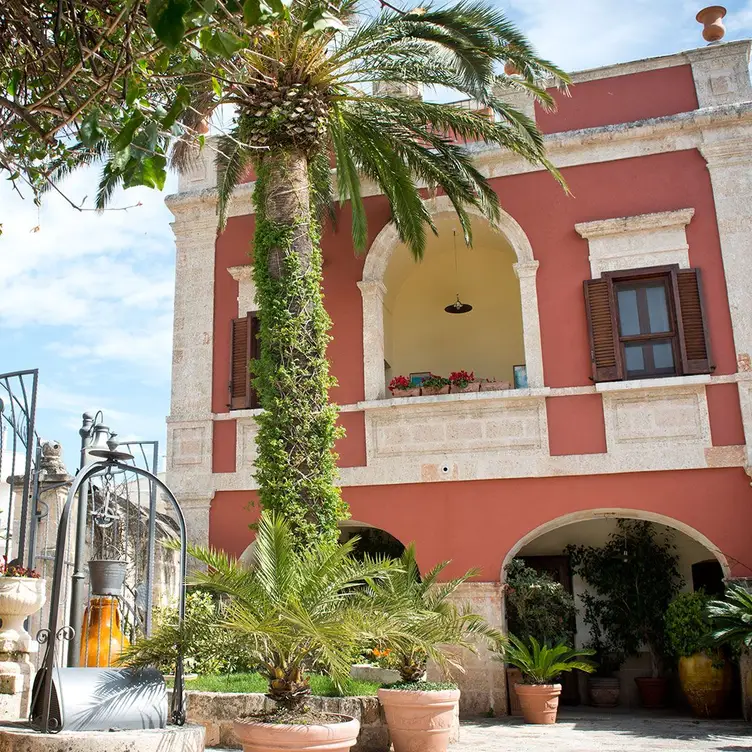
(430, 391)
(20, 597)
(604, 691)
(710, 17)
(705, 685)
(473, 386)
(419, 721)
(281, 737)
(414, 392)
(652, 691)
(514, 677)
(494, 386)
(540, 702)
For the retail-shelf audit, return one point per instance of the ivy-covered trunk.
(296, 464)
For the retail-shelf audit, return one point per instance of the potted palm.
(704, 673)
(541, 666)
(420, 714)
(294, 609)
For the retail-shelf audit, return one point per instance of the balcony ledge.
(440, 399)
(671, 382)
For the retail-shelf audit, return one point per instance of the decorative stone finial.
(711, 17)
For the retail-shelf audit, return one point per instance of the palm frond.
(232, 160)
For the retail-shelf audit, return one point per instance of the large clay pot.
(706, 681)
(514, 677)
(604, 691)
(711, 18)
(540, 702)
(20, 597)
(419, 721)
(102, 639)
(652, 691)
(280, 737)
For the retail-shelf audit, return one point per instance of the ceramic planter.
(107, 576)
(652, 691)
(419, 721)
(706, 682)
(20, 597)
(315, 737)
(414, 392)
(430, 391)
(540, 702)
(473, 386)
(711, 18)
(604, 691)
(494, 386)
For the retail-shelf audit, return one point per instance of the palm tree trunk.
(296, 466)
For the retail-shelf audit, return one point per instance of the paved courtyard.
(578, 731)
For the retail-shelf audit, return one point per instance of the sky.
(87, 298)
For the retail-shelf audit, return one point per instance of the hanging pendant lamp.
(458, 306)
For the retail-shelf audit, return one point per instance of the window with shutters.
(244, 348)
(647, 323)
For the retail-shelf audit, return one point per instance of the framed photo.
(520, 377)
(416, 379)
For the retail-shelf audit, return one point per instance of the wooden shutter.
(254, 353)
(694, 341)
(240, 355)
(604, 342)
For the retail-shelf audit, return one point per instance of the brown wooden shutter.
(604, 342)
(255, 354)
(694, 340)
(240, 354)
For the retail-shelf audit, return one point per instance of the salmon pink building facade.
(624, 309)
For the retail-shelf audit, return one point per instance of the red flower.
(461, 378)
(399, 382)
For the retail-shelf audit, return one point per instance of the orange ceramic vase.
(102, 639)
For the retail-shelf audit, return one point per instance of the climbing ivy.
(296, 465)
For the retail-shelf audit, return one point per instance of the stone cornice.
(638, 223)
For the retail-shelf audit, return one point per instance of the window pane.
(663, 356)
(629, 320)
(657, 308)
(635, 358)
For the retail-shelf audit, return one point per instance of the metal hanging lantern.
(458, 306)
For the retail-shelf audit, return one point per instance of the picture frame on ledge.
(520, 376)
(416, 379)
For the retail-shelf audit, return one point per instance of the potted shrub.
(541, 666)
(294, 610)
(704, 673)
(632, 580)
(461, 382)
(434, 385)
(536, 606)
(22, 593)
(420, 714)
(400, 386)
(604, 688)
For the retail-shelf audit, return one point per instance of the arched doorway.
(372, 541)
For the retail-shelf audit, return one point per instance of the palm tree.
(325, 86)
(732, 617)
(427, 624)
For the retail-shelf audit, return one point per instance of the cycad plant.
(427, 623)
(325, 85)
(541, 663)
(292, 610)
(732, 617)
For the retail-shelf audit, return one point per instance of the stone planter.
(431, 391)
(314, 737)
(604, 691)
(420, 721)
(494, 386)
(706, 682)
(473, 386)
(540, 702)
(376, 674)
(20, 597)
(414, 392)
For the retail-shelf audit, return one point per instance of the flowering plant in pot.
(434, 385)
(420, 714)
(541, 666)
(400, 386)
(22, 593)
(704, 673)
(462, 381)
(294, 610)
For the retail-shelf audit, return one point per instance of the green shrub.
(688, 627)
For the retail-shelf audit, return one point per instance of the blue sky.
(87, 298)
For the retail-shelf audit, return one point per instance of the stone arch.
(632, 514)
(372, 289)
